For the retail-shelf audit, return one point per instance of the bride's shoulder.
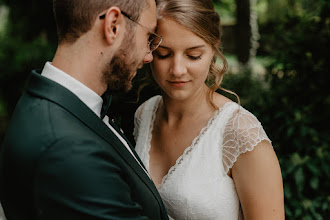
(151, 102)
(148, 104)
(237, 112)
(220, 101)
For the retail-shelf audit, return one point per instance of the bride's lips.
(178, 83)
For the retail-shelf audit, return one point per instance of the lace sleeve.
(137, 120)
(242, 133)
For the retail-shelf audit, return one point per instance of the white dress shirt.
(86, 95)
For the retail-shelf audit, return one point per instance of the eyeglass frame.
(152, 33)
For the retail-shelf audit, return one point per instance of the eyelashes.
(162, 57)
(195, 58)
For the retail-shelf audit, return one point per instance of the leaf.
(314, 183)
(287, 192)
(318, 216)
(313, 168)
(299, 179)
(290, 131)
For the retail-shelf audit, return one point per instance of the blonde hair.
(199, 17)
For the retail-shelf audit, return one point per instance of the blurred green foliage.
(291, 100)
(293, 103)
(299, 81)
(226, 10)
(28, 40)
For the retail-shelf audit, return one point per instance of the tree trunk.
(243, 30)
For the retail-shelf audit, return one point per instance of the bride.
(209, 157)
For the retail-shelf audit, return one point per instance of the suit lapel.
(56, 93)
(128, 142)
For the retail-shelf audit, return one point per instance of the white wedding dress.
(197, 186)
(2, 214)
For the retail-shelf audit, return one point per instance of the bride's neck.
(189, 108)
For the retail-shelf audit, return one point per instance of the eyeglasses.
(154, 39)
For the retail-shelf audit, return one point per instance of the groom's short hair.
(76, 17)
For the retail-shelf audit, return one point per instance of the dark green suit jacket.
(60, 161)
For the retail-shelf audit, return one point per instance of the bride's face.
(182, 61)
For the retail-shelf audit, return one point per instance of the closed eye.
(195, 57)
(160, 56)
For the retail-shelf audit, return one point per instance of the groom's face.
(121, 69)
(133, 52)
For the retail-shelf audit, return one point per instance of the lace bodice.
(197, 186)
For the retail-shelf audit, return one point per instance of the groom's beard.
(118, 74)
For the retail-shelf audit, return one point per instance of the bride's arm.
(258, 181)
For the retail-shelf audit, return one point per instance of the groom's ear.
(113, 24)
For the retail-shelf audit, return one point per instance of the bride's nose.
(178, 67)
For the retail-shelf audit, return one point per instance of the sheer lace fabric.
(242, 133)
(197, 186)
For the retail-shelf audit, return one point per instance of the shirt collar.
(85, 94)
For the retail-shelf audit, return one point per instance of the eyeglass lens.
(154, 42)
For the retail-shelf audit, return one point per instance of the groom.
(62, 158)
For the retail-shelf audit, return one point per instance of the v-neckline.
(186, 151)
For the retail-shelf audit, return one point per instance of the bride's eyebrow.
(161, 46)
(190, 48)
(196, 47)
